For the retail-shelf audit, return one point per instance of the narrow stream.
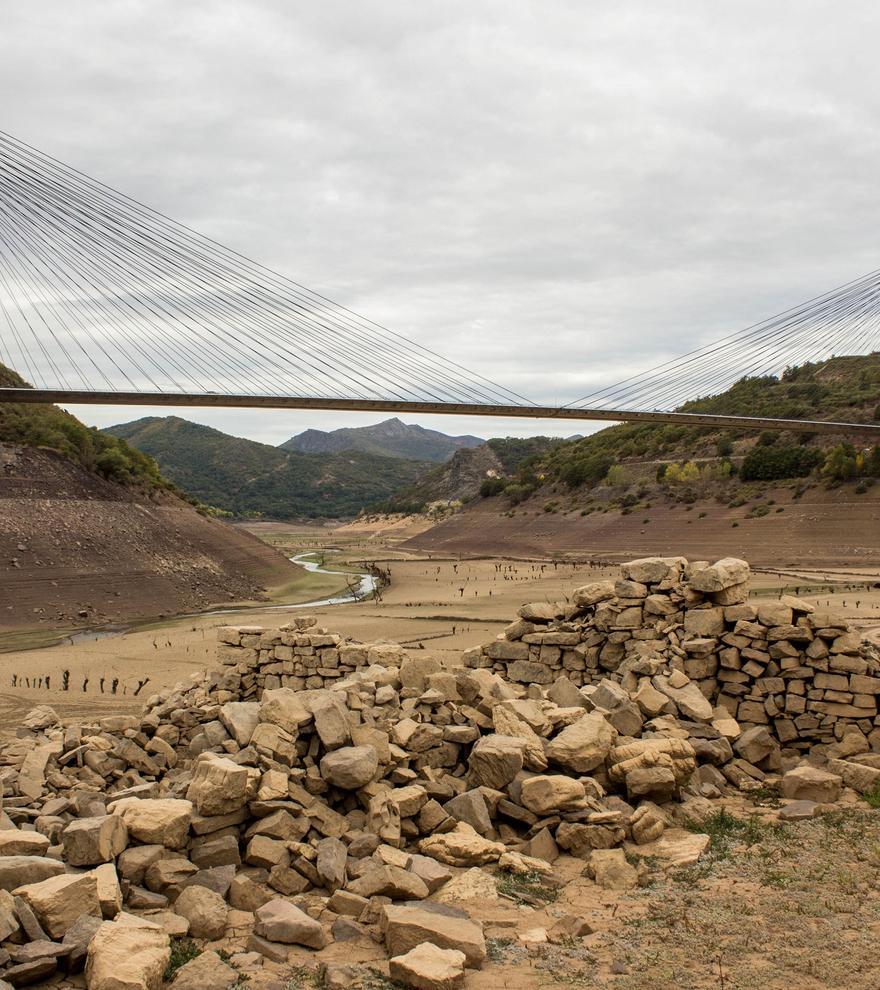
(367, 584)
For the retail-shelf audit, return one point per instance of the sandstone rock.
(472, 885)
(592, 594)
(127, 954)
(462, 847)
(331, 862)
(14, 842)
(470, 807)
(205, 911)
(406, 927)
(280, 921)
(108, 889)
(860, 778)
(90, 841)
(283, 707)
(725, 573)
(206, 972)
(508, 723)
(495, 760)
(550, 793)
(240, 719)
(798, 811)
(389, 881)
(609, 868)
(428, 967)
(59, 901)
(811, 784)
(218, 786)
(350, 767)
(583, 745)
(160, 820)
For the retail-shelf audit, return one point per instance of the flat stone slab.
(676, 848)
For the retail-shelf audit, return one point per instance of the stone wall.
(300, 655)
(669, 625)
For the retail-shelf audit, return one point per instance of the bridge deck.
(218, 400)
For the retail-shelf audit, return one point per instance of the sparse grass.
(496, 948)
(183, 950)
(765, 797)
(872, 798)
(375, 979)
(725, 830)
(301, 978)
(526, 888)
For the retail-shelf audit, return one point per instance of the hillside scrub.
(675, 456)
(38, 425)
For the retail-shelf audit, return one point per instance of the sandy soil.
(824, 528)
(75, 549)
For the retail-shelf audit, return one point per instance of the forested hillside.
(254, 479)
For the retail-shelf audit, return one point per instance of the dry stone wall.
(301, 656)
(799, 670)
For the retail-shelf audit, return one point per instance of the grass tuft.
(183, 950)
(526, 888)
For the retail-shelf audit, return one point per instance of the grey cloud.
(556, 195)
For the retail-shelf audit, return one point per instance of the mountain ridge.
(248, 478)
(390, 438)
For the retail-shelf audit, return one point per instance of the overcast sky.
(554, 194)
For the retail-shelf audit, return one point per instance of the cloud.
(555, 195)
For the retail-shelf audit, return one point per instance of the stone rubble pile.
(266, 815)
(799, 670)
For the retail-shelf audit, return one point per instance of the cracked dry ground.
(797, 909)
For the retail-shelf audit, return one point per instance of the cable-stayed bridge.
(106, 301)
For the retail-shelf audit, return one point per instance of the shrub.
(841, 463)
(592, 468)
(492, 486)
(767, 463)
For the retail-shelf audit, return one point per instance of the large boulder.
(350, 767)
(281, 921)
(462, 847)
(205, 910)
(547, 794)
(218, 786)
(723, 574)
(164, 821)
(495, 760)
(811, 784)
(59, 901)
(91, 841)
(406, 927)
(206, 972)
(583, 745)
(127, 954)
(284, 708)
(15, 871)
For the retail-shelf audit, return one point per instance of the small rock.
(428, 967)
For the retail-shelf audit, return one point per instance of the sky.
(556, 195)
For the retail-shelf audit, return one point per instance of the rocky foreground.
(311, 791)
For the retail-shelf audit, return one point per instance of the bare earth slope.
(822, 529)
(75, 548)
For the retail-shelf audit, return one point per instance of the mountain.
(91, 531)
(465, 474)
(391, 438)
(642, 489)
(247, 478)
